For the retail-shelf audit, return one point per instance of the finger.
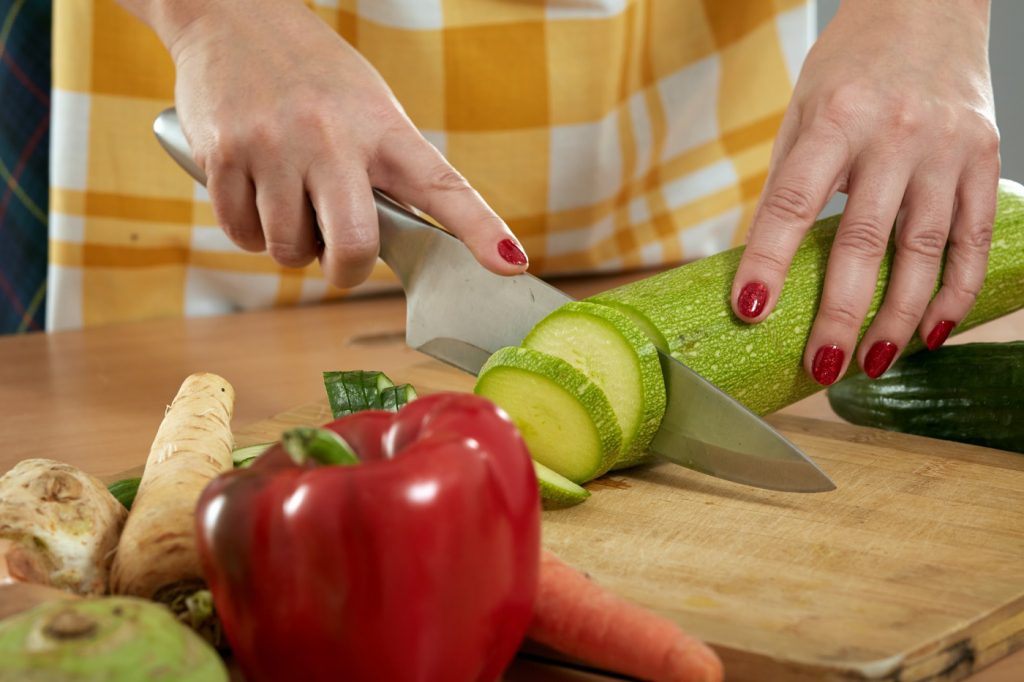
(876, 192)
(413, 171)
(789, 205)
(920, 241)
(789, 132)
(966, 255)
(234, 203)
(286, 216)
(343, 201)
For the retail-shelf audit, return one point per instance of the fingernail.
(752, 299)
(879, 358)
(939, 334)
(511, 253)
(827, 363)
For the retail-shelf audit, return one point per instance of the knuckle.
(353, 249)
(264, 135)
(926, 242)
(311, 118)
(226, 151)
(767, 260)
(444, 178)
(847, 103)
(790, 204)
(976, 239)
(905, 117)
(840, 314)
(986, 134)
(289, 254)
(963, 287)
(242, 234)
(862, 237)
(904, 311)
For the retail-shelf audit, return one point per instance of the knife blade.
(461, 313)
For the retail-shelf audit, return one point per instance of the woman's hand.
(894, 108)
(293, 127)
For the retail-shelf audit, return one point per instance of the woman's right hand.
(291, 125)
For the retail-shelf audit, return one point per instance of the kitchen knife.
(460, 313)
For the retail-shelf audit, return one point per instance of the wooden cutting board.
(912, 570)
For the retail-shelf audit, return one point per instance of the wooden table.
(93, 398)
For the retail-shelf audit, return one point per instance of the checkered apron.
(609, 134)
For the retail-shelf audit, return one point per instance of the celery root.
(58, 526)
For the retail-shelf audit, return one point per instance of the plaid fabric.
(610, 134)
(24, 142)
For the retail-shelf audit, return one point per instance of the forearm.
(972, 15)
(171, 19)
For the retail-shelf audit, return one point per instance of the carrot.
(577, 617)
(156, 556)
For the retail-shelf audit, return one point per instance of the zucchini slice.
(557, 491)
(614, 353)
(564, 417)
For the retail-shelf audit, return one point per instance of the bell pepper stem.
(305, 444)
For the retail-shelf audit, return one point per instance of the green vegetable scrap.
(354, 391)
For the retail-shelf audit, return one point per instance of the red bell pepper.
(418, 563)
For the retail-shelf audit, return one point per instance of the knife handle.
(403, 235)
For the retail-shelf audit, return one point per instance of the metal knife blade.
(461, 313)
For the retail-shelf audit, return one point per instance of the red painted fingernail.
(827, 363)
(939, 334)
(511, 253)
(879, 358)
(752, 299)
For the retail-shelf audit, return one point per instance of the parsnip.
(156, 557)
(58, 526)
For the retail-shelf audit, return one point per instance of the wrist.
(174, 20)
(974, 11)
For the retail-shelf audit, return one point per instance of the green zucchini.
(610, 350)
(557, 491)
(686, 312)
(564, 417)
(761, 365)
(971, 393)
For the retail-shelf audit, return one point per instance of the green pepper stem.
(322, 446)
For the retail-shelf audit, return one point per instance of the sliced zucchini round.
(613, 352)
(557, 491)
(564, 417)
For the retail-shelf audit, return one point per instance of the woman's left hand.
(894, 108)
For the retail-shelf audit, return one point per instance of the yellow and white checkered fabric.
(609, 134)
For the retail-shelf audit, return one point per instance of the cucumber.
(971, 393)
(354, 391)
(124, 491)
(564, 417)
(614, 353)
(393, 398)
(761, 365)
(557, 491)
